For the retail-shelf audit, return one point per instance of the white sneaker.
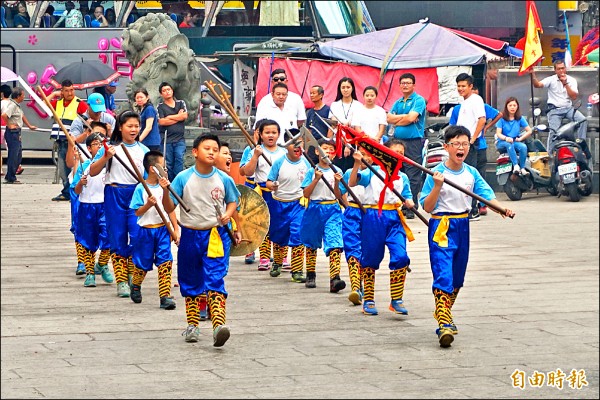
(524, 172)
(517, 170)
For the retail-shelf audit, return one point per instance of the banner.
(533, 46)
(303, 74)
(243, 92)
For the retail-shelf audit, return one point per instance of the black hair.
(277, 72)
(328, 141)
(463, 76)
(395, 141)
(100, 124)
(204, 137)
(279, 85)
(456, 131)
(162, 85)
(94, 136)
(224, 144)
(117, 135)
(266, 122)
(151, 158)
(373, 88)
(339, 91)
(16, 92)
(66, 83)
(409, 76)
(6, 91)
(320, 89)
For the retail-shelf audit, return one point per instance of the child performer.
(121, 221)
(322, 220)
(449, 225)
(386, 229)
(91, 231)
(152, 244)
(204, 246)
(253, 163)
(251, 183)
(285, 180)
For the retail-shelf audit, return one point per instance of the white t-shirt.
(93, 191)
(140, 197)
(293, 111)
(321, 192)
(290, 176)
(369, 120)
(345, 113)
(471, 110)
(557, 93)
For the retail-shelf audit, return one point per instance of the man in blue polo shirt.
(408, 117)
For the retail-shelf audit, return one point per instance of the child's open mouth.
(460, 155)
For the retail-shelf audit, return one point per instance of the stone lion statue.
(159, 53)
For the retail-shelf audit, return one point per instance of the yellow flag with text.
(533, 46)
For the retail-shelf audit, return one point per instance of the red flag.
(532, 52)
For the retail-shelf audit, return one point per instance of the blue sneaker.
(369, 308)
(250, 258)
(355, 297)
(90, 280)
(397, 306)
(452, 327)
(107, 276)
(80, 269)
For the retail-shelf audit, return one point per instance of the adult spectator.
(99, 20)
(562, 90)
(71, 17)
(509, 137)
(343, 110)
(279, 109)
(5, 92)
(293, 103)
(407, 115)
(48, 19)
(313, 122)
(111, 17)
(21, 19)
(372, 119)
(472, 116)
(186, 20)
(111, 88)
(96, 112)
(67, 108)
(172, 114)
(149, 132)
(14, 118)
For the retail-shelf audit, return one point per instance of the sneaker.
(136, 293)
(275, 270)
(336, 284)
(474, 214)
(90, 280)
(409, 214)
(445, 335)
(80, 269)
(397, 306)
(192, 333)
(369, 308)
(123, 289)
(286, 266)
(483, 210)
(516, 170)
(263, 264)
(250, 258)
(311, 280)
(355, 297)
(452, 327)
(298, 277)
(107, 276)
(524, 172)
(167, 303)
(61, 197)
(220, 335)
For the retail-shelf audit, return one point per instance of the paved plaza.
(529, 310)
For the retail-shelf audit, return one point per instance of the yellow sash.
(387, 207)
(215, 244)
(441, 233)
(326, 202)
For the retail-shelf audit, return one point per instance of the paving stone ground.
(530, 304)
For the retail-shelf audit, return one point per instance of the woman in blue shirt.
(149, 133)
(509, 138)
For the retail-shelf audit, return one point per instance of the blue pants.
(512, 149)
(15, 153)
(74, 208)
(555, 117)
(121, 221)
(152, 246)
(196, 272)
(351, 223)
(322, 224)
(378, 231)
(286, 222)
(174, 158)
(63, 170)
(91, 226)
(449, 264)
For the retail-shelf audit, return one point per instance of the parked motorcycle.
(433, 147)
(571, 171)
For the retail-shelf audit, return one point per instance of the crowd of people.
(132, 222)
(72, 17)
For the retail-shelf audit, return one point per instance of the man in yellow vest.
(67, 108)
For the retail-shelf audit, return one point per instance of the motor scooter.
(570, 163)
(535, 175)
(433, 147)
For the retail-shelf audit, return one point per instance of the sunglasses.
(279, 79)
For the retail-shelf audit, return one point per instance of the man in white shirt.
(293, 103)
(562, 90)
(279, 109)
(472, 117)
